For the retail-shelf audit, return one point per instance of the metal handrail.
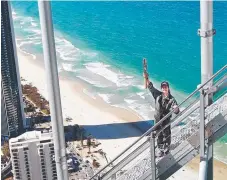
(163, 119)
(178, 117)
(147, 170)
(192, 104)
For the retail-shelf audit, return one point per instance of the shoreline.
(100, 114)
(80, 86)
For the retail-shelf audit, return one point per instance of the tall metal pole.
(53, 88)
(206, 33)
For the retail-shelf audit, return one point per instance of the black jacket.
(162, 105)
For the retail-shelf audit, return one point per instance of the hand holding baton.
(145, 74)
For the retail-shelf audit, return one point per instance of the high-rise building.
(32, 155)
(11, 107)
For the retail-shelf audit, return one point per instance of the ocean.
(102, 44)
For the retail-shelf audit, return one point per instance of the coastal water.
(103, 43)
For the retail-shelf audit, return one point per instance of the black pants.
(164, 137)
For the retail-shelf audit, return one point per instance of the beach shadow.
(119, 130)
(104, 131)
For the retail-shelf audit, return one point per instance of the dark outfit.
(89, 143)
(163, 105)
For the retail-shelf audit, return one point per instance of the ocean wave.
(68, 67)
(141, 87)
(88, 93)
(30, 27)
(36, 32)
(104, 70)
(141, 107)
(144, 111)
(34, 24)
(141, 94)
(92, 81)
(20, 44)
(67, 51)
(129, 101)
(25, 52)
(106, 97)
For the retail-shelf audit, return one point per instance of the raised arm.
(155, 92)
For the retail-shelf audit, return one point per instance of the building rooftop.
(31, 136)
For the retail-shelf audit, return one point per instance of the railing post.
(203, 158)
(152, 150)
(202, 123)
(210, 147)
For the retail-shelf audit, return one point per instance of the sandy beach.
(94, 115)
(111, 126)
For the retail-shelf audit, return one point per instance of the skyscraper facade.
(12, 109)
